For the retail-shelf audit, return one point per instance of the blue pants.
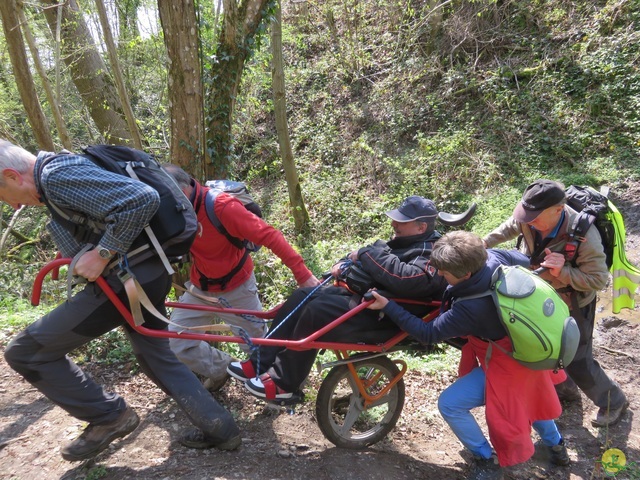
(466, 393)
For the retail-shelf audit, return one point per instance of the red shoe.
(242, 370)
(264, 387)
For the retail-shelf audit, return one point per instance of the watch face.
(105, 253)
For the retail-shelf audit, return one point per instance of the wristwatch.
(104, 252)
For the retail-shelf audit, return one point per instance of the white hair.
(14, 157)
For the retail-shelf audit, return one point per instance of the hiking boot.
(486, 469)
(568, 391)
(215, 385)
(556, 454)
(242, 370)
(95, 438)
(609, 416)
(196, 438)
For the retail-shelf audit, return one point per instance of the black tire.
(339, 407)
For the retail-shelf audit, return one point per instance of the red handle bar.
(309, 342)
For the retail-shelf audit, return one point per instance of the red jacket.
(214, 256)
(515, 397)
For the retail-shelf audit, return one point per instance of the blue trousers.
(457, 401)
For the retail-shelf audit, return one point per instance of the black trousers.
(39, 354)
(296, 320)
(586, 372)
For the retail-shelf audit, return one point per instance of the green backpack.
(543, 334)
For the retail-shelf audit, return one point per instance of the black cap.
(414, 208)
(536, 198)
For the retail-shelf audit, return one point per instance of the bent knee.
(444, 404)
(21, 352)
(181, 347)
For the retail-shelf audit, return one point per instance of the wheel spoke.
(386, 399)
(351, 417)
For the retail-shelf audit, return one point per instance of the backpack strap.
(209, 206)
(222, 281)
(152, 236)
(577, 232)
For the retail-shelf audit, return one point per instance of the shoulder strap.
(576, 232)
(222, 281)
(486, 293)
(209, 206)
(62, 213)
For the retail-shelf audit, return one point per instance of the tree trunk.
(88, 71)
(239, 28)
(22, 74)
(179, 25)
(117, 75)
(298, 209)
(63, 133)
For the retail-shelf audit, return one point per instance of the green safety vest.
(626, 277)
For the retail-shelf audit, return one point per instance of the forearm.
(414, 326)
(505, 232)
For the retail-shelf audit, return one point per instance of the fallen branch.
(14, 219)
(617, 352)
(4, 443)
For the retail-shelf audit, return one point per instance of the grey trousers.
(586, 372)
(202, 357)
(39, 354)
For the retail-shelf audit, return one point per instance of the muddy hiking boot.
(486, 469)
(556, 454)
(196, 438)
(97, 437)
(215, 385)
(606, 417)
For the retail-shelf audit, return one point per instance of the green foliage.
(97, 472)
(443, 360)
(112, 348)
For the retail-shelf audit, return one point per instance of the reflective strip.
(626, 277)
(625, 274)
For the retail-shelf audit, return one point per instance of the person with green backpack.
(516, 397)
(542, 219)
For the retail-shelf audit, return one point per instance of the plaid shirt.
(122, 204)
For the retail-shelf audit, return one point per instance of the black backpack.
(172, 228)
(593, 208)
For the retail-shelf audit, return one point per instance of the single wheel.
(342, 415)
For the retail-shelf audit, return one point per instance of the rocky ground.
(282, 445)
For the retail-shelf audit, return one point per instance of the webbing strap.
(191, 290)
(138, 298)
(149, 232)
(71, 278)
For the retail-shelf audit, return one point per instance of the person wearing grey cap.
(399, 266)
(540, 221)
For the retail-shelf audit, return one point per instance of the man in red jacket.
(213, 256)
